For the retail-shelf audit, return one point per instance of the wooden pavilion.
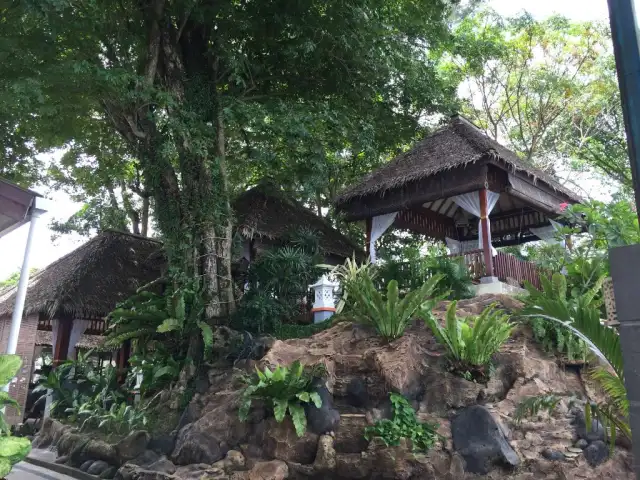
(460, 186)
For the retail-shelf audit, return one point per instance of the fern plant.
(349, 275)
(532, 405)
(391, 315)
(472, 341)
(552, 336)
(12, 449)
(286, 390)
(582, 318)
(403, 424)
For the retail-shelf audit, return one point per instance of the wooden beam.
(63, 335)
(486, 244)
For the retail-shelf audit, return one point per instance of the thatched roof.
(264, 212)
(92, 279)
(455, 146)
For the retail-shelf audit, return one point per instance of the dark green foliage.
(391, 315)
(532, 405)
(278, 281)
(412, 268)
(404, 424)
(471, 342)
(286, 389)
(286, 331)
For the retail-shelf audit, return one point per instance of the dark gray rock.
(202, 384)
(597, 431)
(596, 453)
(326, 418)
(98, 467)
(194, 446)
(163, 464)
(582, 443)
(480, 440)
(162, 444)
(109, 473)
(146, 458)
(553, 455)
(357, 393)
(187, 417)
(62, 459)
(132, 446)
(85, 466)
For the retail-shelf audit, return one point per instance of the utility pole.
(625, 261)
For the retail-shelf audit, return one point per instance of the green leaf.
(304, 396)
(299, 419)
(169, 325)
(280, 408)
(9, 366)
(5, 467)
(316, 399)
(5, 399)
(14, 449)
(207, 334)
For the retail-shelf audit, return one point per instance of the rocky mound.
(481, 438)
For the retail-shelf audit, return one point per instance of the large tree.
(193, 87)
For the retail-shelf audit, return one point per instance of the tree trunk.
(144, 227)
(132, 213)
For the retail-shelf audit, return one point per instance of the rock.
(597, 431)
(62, 459)
(234, 460)
(49, 433)
(349, 438)
(109, 473)
(326, 418)
(132, 445)
(199, 472)
(281, 442)
(98, 467)
(85, 466)
(582, 443)
(480, 441)
(97, 450)
(326, 455)
(162, 464)
(596, 453)
(273, 470)
(162, 444)
(357, 393)
(353, 465)
(145, 459)
(133, 472)
(195, 446)
(553, 455)
(68, 441)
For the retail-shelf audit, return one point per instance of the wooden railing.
(505, 266)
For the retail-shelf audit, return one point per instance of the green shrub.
(390, 316)
(12, 449)
(286, 389)
(404, 424)
(532, 405)
(472, 341)
(350, 275)
(286, 331)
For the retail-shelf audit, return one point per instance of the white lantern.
(324, 305)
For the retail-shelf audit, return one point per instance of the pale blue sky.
(45, 252)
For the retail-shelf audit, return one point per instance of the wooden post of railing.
(486, 245)
(367, 247)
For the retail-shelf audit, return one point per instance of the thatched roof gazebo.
(449, 180)
(267, 216)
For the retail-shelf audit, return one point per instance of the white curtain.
(379, 225)
(77, 329)
(548, 234)
(471, 203)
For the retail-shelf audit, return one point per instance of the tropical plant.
(530, 406)
(12, 449)
(286, 389)
(552, 336)
(159, 369)
(472, 341)
(391, 315)
(349, 274)
(456, 283)
(403, 424)
(120, 418)
(583, 320)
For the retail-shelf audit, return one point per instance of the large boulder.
(98, 467)
(195, 445)
(132, 445)
(272, 470)
(481, 441)
(280, 441)
(326, 418)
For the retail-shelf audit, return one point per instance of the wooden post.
(61, 347)
(123, 360)
(486, 246)
(367, 247)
